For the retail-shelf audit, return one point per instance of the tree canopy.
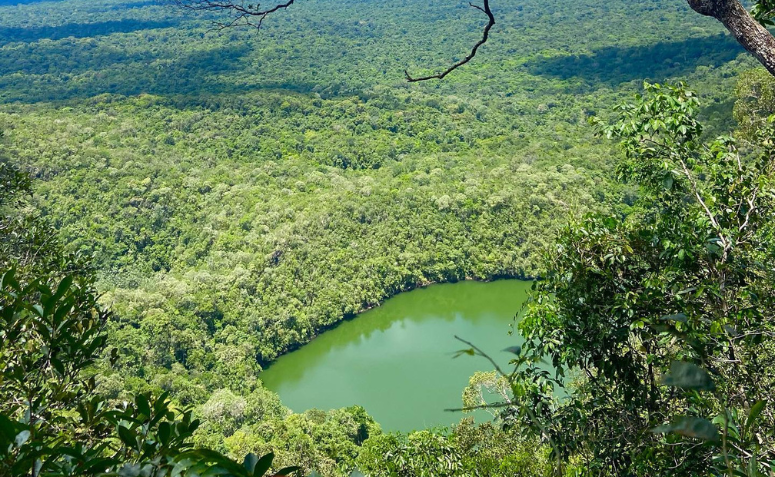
(748, 28)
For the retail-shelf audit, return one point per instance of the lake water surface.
(396, 360)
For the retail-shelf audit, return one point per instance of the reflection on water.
(396, 360)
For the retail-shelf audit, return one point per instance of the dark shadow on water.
(614, 65)
(78, 30)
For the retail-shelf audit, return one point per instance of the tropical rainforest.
(182, 204)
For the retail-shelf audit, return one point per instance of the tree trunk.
(748, 32)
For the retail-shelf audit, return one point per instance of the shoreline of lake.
(404, 350)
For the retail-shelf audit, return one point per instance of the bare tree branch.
(481, 353)
(250, 14)
(253, 15)
(481, 406)
(485, 36)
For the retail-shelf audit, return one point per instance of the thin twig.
(480, 406)
(484, 355)
(244, 13)
(529, 411)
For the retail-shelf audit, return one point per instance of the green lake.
(396, 360)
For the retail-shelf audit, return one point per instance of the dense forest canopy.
(240, 192)
(748, 28)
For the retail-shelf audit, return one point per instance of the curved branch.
(485, 36)
(745, 28)
(252, 15)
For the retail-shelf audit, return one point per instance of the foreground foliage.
(686, 278)
(247, 193)
(53, 422)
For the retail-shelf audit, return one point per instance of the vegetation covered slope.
(243, 190)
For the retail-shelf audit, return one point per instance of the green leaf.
(130, 470)
(143, 406)
(250, 462)
(694, 427)
(127, 437)
(688, 376)
(164, 433)
(469, 352)
(7, 427)
(731, 331)
(161, 402)
(9, 280)
(288, 470)
(58, 365)
(753, 415)
(64, 285)
(680, 317)
(263, 464)
(210, 456)
(21, 438)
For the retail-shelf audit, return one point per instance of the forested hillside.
(242, 191)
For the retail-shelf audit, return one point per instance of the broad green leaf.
(680, 317)
(64, 285)
(9, 279)
(686, 426)
(127, 437)
(165, 430)
(263, 464)
(21, 438)
(688, 376)
(731, 331)
(7, 429)
(143, 406)
(753, 415)
(161, 403)
(250, 462)
(288, 470)
(58, 365)
(210, 456)
(130, 470)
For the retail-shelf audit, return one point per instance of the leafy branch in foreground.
(633, 306)
(740, 445)
(53, 422)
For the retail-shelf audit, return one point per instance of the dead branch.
(485, 36)
(254, 15)
(250, 14)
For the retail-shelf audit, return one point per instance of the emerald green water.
(396, 360)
